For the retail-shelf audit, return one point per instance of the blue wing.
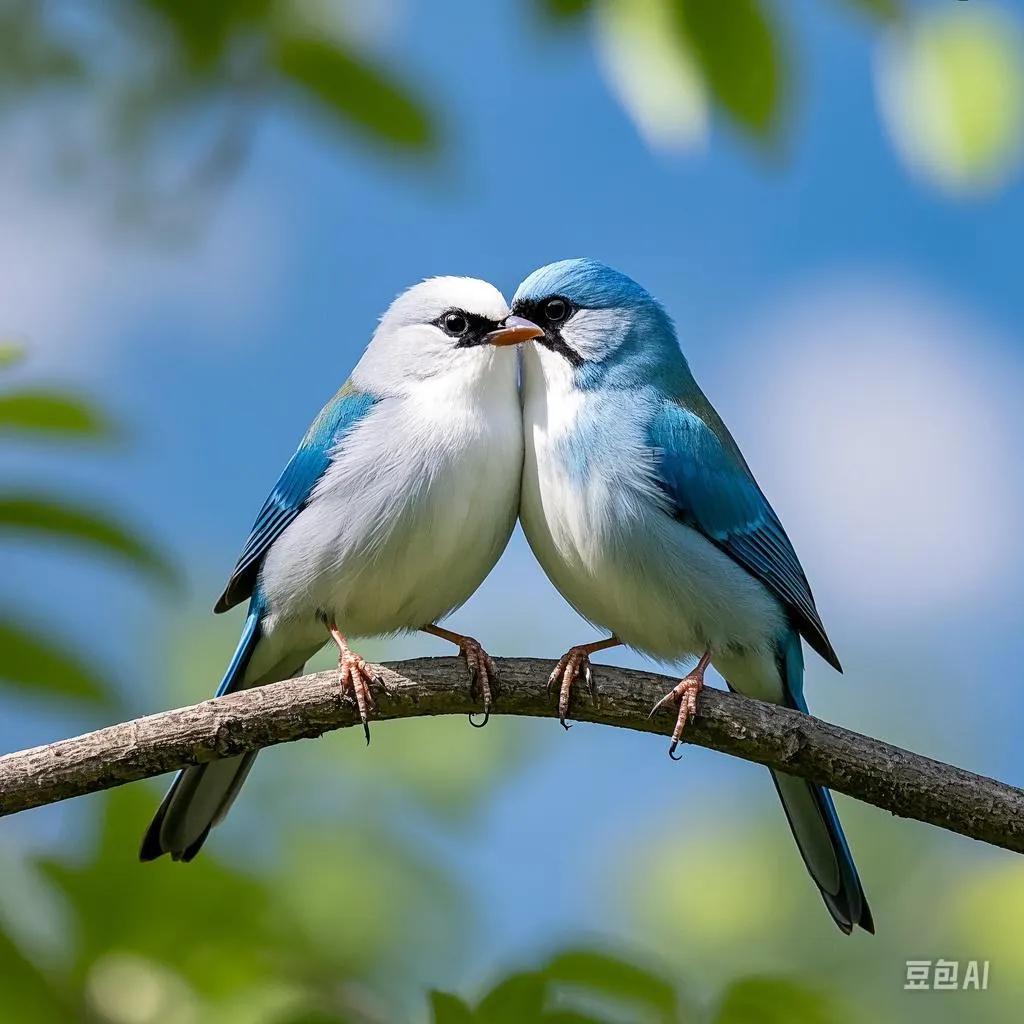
(711, 489)
(293, 490)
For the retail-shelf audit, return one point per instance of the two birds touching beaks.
(633, 495)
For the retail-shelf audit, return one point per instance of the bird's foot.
(567, 672)
(356, 677)
(685, 695)
(576, 660)
(483, 676)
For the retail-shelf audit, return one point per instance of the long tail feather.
(815, 824)
(199, 797)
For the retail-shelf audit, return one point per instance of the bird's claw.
(483, 677)
(356, 682)
(571, 664)
(685, 694)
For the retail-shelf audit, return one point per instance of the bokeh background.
(203, 209)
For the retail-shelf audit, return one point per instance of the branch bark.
(878, 773)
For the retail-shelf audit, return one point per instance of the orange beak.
(514, 331)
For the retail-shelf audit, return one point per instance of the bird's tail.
(199, 797)
(815, 824)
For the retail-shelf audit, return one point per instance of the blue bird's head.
(601, 323)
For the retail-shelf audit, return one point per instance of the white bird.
(396, 506)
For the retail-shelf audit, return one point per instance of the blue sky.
(860, 332)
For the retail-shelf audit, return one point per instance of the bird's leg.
(355, 676)
(685, 694)
(568, 669)
(482, 672)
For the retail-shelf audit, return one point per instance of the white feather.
(606, 543)
(421, 496)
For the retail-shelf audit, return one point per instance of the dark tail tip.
(190, 852)
(867, 922)
(151, 847)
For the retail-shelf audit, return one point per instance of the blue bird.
(397, 504)
(643, 513)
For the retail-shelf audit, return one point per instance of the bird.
(396, 505)
(643, 513)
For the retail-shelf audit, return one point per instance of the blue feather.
(813, 819)
(293, 489)
(587, 282)
(214, 783)
(711, 489)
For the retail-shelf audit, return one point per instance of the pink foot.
(483, 676)
(685, 694)
(567, 672)
(565, 676)
(356, 678)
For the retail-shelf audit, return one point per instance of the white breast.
(605, 540)
(414, 511)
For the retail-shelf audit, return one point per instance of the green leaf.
(764, 1000)
(610, 976)
(40, 515)
(515, 999)
(448, 1009)
(35, 663)
(51, 413)
(345, 86)
(951, 90)
(735, 47)
(652, 70)
(10, 353)
(564, 11)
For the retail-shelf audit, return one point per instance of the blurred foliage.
(332, 900)
(776, 1001)
(133, 79)
(730, 898)
(30, 659)
(586, 986)
(50, 414)
(54, 519)
(652, 71)
(950, 81)
(951, 86)
(164, 943)
(135, 74)
(737, 51)
(35, 662)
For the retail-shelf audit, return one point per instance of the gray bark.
(878, 773)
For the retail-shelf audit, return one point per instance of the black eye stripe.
(565, 350)
(537, 311)
(477, 327)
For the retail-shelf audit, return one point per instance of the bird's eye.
(455, 323)
(556, 310)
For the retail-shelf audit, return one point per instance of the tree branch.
(897, 780)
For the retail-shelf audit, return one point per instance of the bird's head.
(442, 327)
(598, 325)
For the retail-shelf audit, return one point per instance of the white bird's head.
(444, 327)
